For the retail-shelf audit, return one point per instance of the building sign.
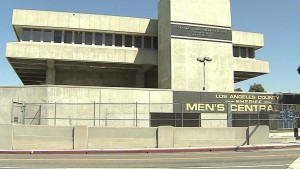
(201, 32)
(196, 102)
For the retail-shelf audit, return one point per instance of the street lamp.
(203, 60)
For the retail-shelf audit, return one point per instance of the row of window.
(89, 38)
(243, 52)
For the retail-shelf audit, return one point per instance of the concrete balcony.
(34, 62)
(247, 39)
(245, 68)
(84, 53)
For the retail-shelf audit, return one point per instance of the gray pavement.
(262, 159)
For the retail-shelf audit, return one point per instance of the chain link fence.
(277, 116)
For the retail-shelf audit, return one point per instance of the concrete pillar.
(50, 73)
(140, 79)
(80, 137)
(258, 135)
(165, 137)
(6, 134)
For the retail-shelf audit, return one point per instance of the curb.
(157, 150)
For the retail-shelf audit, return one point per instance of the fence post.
(94, 113)
(181, 114)
(40, 115)
(136, 107)
(23, 112)
(55, 114)
(258, 119)
(229, 114)
(12, 111)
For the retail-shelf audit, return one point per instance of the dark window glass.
(147, 42)
(108, 39)
(47, 36)
(68, 37)
(57, 36)
(118, 40)
(251, 53)
(98, 38)
(243, 52)
(138, 41)
(78, 38)
(26, 35)
(36, 35)
(128, 40)
(155, 42)
(88, 38)
(236, 51)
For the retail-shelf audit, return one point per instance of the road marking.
(224, 167)
(149, 159)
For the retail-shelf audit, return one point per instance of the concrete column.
(80, 137)
(140, 79)
(50, 73)
(6, 133)
(258, 135)
(165, 137)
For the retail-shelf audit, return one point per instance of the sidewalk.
(156, 150)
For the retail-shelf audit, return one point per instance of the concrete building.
(83, 58)
(57, 48)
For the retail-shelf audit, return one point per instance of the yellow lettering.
(191, 107)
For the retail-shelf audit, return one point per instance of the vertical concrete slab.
(165, 137)
(258, 135)
(6, 134)
(80, 137)
(50, 79)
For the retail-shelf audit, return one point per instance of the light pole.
(203, 60)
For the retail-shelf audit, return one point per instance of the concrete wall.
(32, 50)
(83, 21)
(188, 73)
(19, 94)
(203, 137)
(20, 137)
(116, 103)
(90, 78)
(207, 12)
(122, 138)
(164, 45)
(42, 137)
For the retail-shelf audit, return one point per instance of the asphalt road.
(271, 159)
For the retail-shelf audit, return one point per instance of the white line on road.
(257, 166)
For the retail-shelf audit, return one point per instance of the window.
(57, 36)
(108, 39)
(88, 38)
(47, 36)
(147, 42)
(26, 34)
(155, 42)
(118, 40)
(68, 37)
(243, 52)
(128, 40)
(78, 38)
(236, 51)
(98, 38)
(251, 53)
(36, 35)
(138, 41)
